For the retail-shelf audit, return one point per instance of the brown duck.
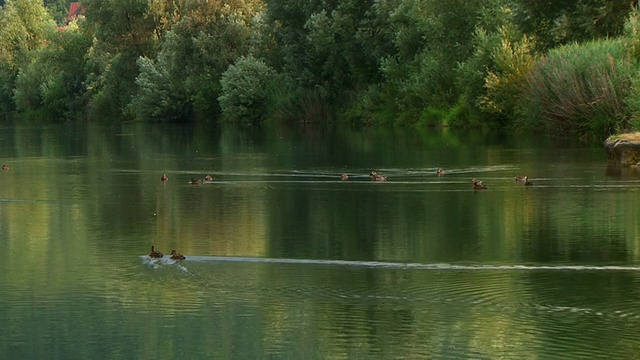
(176, 256)
(478, 185)
(155, 253)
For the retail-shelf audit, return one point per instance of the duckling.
(176, 256)
(195, 181)
(440, 172)
(520, 178)
(478, 185)
(155, 253)
(527, 182)
(164, 178)
(375, 177)
(5, 167)
(208, 178)
(344, 177)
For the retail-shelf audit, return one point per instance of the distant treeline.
(566, 67)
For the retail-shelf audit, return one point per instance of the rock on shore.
(623, 149)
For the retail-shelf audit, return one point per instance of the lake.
(284, 260)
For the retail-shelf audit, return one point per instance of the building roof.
(75, 9)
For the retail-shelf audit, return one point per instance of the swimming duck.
(520, 178)
(344, 177)
(527, 182)
(155, 253)
(176, 256)
(375, 177)
(440, 172)
(478, 185)
(164, 177)
(5, 167)
(196, 181)
(208, 178)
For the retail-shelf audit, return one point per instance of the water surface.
(286, 260)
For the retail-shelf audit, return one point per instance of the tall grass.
(579, 90)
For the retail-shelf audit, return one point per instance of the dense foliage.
(558, 66)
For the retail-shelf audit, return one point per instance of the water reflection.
(286, 260)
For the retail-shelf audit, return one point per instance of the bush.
(513, 60)
(245, 91)
(159, 98)
(580, 90)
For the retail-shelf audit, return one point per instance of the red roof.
(75, 9)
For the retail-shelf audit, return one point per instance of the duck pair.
(194, 181)
(207, 178)
(375, 177)
(157, 254)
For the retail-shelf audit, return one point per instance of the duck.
(164, 178)
(478, 185)
(5, 167)
(176, 256)
(440, 172)
(208, 178)
(155, 253)
(344, 177)
(375, 177)
(520, 178)
(195, 181)
(527, 182)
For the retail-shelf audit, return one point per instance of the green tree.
(334, 46)
(162, 94)
(432, 38)
(58, 9)
(554, 22)
(123, 31)
(25, 27)
(245, 90)
(53, 83)
(184, 78)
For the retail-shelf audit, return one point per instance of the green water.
(287, 261)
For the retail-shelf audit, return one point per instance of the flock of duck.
(157, 254)
(476, 184)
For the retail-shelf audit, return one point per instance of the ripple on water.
(442, 310)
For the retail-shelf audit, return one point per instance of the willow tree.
(184, 78)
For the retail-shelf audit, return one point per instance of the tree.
(555, 22)
(53, 83)
(25, 27)
(184, 78)
(58, 9)
(245, 90)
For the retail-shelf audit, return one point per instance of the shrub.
(580, 89)
(159, 97)
(245, 90)
(513, 61)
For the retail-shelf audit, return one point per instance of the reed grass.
(580, 89)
